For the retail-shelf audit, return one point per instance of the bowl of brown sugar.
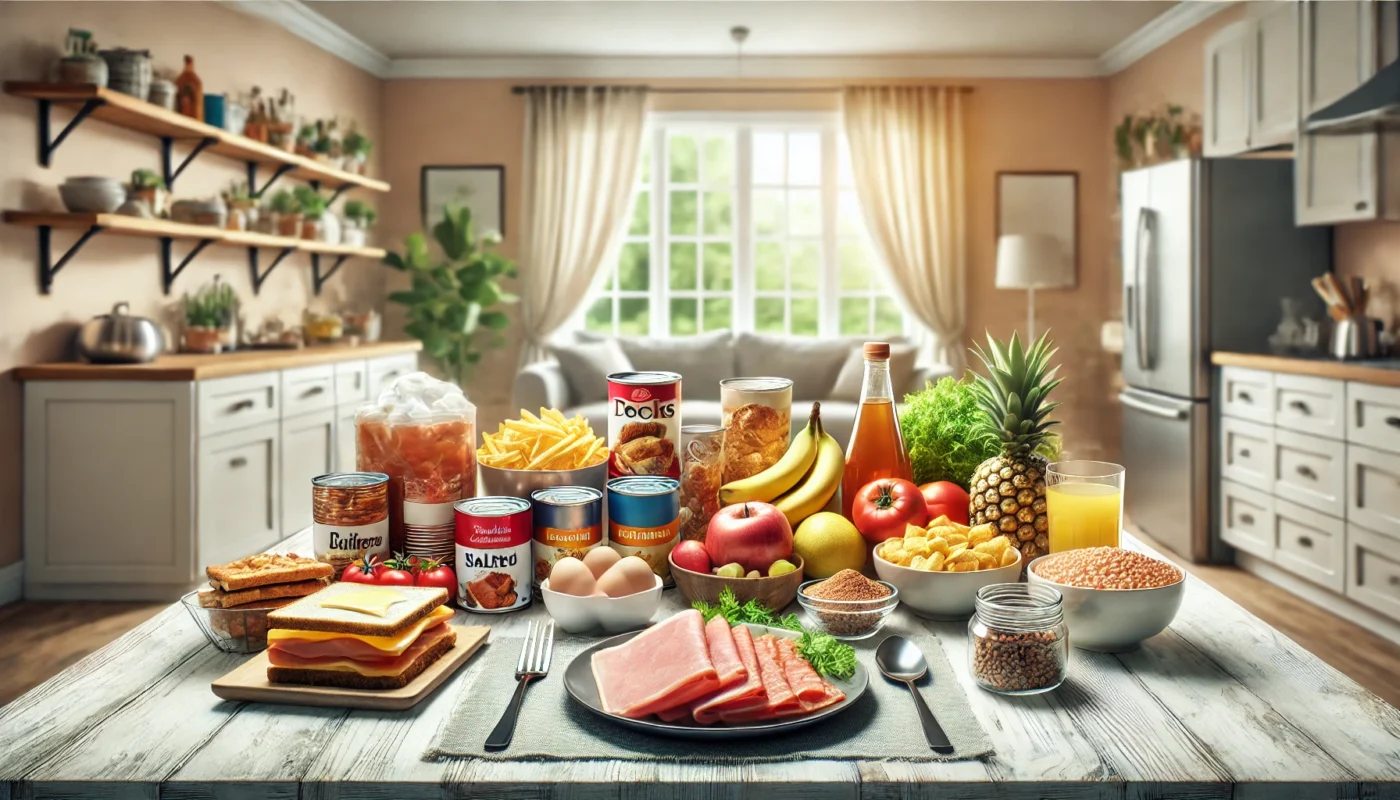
(848, 605)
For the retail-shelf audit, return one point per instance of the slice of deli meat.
(663, 667)
(813, 691)
(782, 701)
(741, 696)
(724, 652)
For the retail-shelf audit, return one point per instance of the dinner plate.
(578, 680)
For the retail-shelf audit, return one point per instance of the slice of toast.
(354, 680)
(312, 614)
(264, 569)
(218, 598)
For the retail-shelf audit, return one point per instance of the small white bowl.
(1115, 620)
(943, 595)
(612, 614)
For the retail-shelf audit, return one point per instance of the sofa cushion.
(852, 378)
(811, 364)
(702, 360)
(586, 367)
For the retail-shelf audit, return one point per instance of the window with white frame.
(747, 222)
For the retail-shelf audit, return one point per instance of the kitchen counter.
(198, 367)
(1380, 371)
(1219, 706)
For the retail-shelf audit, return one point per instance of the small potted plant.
(306, 137)
(81, 63)
(211, 319)
(148, 187)
(357, 148)
(314, 213)
(242, 207)
(287, 212)
(358, 219)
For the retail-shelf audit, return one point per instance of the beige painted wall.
(232, 52)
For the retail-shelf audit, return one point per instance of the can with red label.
(493, 553)
(644, 423)
(568, 522)
(644, 520)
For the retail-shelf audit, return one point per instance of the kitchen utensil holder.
(1355, 337)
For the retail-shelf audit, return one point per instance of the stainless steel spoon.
(901, 660)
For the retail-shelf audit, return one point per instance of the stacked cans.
(429, 531)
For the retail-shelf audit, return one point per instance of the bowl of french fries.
(938, 569)
(541, 450)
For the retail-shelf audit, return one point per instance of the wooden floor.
(44, 638)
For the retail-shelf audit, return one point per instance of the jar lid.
(879, 351)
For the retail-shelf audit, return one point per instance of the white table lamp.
(1032, 261)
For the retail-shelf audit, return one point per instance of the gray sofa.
(813, 365)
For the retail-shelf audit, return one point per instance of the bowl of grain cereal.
(1114, 599)
(848, 605)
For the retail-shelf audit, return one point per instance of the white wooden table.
(1219, 706)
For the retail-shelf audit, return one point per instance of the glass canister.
(758, 416)
(1018, 640)
(702, 465)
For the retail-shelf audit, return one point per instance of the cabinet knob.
(1307, 472)
(1393, 422)
(1300, 407)
(313, 391)
(1305, 541)
(1394, 580)
(1244, 452)
(1245, 396)
(238, 461)
(1247, 519)
(1361, 205)
(241, 405)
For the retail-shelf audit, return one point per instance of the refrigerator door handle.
(1147, 408)
(1141, 273)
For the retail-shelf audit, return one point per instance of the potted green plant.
(314, 213)
(242, 207)
(306, 137)
(357, 148)
(287, 212)
(148, 187)
(454, 302)
(358, 219)
(211, 319)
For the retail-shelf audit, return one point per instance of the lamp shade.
(1032, 261)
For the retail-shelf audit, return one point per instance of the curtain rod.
(715, 90)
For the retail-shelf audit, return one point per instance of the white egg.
(628, 576)
(600, 559)
(571, 576)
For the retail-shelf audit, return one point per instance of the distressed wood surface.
(1219, 706)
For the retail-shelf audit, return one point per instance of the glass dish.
(848, 619)
(241, 629)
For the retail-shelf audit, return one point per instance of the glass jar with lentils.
(1018, 642)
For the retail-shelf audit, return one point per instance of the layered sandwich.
(356, 636)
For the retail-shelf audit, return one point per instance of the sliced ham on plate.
(725, 655)
(661, 668)
(782, 701)
(748, 694)
(811, 689)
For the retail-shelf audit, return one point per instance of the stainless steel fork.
(535, 655)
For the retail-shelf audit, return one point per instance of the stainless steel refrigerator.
(1209, 250)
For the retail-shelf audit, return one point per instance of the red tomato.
(437, 575)
(882, 508)
(945, 498)
(366, 570)
(395, 577)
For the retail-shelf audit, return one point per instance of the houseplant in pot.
(318, 222)
(211, 319)
(356, 147)
(306, 137)
(149, 188)
(287, 211)
(242, 207)
(358, 219)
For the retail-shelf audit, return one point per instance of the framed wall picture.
(480, 188)
(1041, 202)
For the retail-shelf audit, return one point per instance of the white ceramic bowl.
(1115, 620)
(611, 614)
(943, 595)
(92, 195)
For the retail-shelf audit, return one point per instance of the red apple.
(753, 535)
(691, 555)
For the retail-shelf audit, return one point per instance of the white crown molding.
(11, 583)
(662, 67)
(1161, 29)
(310, 25)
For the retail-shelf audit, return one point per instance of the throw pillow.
(849, 382)
(702, 360)
(811, 364)
(586, 367)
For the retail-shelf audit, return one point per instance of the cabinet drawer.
(1247, 453)
(387, 369)
(1373, 489)
(1247, 394)
(1373, 570)
(308, 450)
(1311, 470)
(1310, 405)
(1373, 416)
(1309, 544)
(227, 404)
(238, 493)
(1247, 519)
(351, 382)
(307, 389)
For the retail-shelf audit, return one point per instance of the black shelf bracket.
(47, 146)
(340, 190)
(317, 279)
(166, 146)
(259, 277)
(47, 266)
(168, 274)
(253, 190)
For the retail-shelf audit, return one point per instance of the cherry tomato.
(946, 499)
(365, 570)
(437, 575)
(395, 577)
(883, 508)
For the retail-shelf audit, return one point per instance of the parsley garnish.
(827, 654)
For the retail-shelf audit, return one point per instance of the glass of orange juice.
(1084, 502)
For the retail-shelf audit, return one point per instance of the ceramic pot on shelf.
(199, 339)
(310, 229)
(83, 69)
(162, 93)
(92, 194)
(289, 225)
(129, 71)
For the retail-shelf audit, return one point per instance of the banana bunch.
(802, 482)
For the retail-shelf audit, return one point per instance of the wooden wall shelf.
(168, 232)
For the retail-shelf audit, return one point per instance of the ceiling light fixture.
(740, 34)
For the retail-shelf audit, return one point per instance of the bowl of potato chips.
(540, 451)
(939, 569)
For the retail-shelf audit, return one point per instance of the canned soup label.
(644, 421)
(493, 554)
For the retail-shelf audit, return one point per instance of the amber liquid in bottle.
(877, 447)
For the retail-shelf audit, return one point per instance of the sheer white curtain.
(581, 150)
(907, 160)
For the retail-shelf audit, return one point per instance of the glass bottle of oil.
(877, 447)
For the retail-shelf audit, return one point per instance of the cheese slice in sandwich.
(356, 636)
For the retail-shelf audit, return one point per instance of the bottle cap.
(879, 351)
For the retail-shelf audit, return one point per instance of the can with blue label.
(568, 522)
(644, 519)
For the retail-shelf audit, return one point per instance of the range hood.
(1373, 107)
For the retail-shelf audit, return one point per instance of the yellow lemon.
(828, 543)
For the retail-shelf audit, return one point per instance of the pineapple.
(1008, 490)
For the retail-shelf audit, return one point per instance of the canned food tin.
(493, 553)
(644, 519)
(644, 423)
(568, 521)
(349, 517)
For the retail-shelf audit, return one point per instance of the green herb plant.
(454, 303)
(214, 305)
(827, 654)
(359, 212)
(313, 205)
(942, 431)
(146, 179)
(357, 144)
(284, 202)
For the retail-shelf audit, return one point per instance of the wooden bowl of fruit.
(774, 591)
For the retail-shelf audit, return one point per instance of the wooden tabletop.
(1365, 372)
(1219, 706)
(196, 367)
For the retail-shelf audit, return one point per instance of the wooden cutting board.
(249, 681)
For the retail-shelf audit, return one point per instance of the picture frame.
(481, 187)
(1040, 202)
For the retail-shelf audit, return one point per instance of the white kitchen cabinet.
(1247, 519)
(351, 382)
(1227, 114)
(1311, 470)
(1273, 75)
(307, 389)
(1247, 394)
(345, 438)
(239, 493)
(384, 371)
(1373, 416)
(1373, 570)
(1309, 544)
(308, 450)
(1247, 453)
(1373, 489)
(1312, 405)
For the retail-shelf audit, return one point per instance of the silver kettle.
(119, 338)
